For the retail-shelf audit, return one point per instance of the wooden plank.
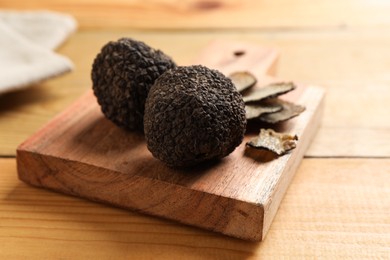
(349, 142)
(334, 208)
(221, 14)
(83, 154)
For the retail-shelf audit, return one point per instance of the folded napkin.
(27, 40)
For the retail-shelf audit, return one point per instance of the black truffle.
(122, 74)
(193, 114)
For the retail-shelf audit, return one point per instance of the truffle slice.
(122, 74)
(256, 110)
(193, 114)
(269, 91)
(243, 80)
(288, 111)
(278, 143)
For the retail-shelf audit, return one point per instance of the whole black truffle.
(193, 114)
(122, 74)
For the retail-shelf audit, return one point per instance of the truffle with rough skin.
(193, 114)
(122, 74)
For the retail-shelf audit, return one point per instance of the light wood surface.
(220, 14)
(334, 208)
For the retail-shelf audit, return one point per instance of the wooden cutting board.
(83, 154)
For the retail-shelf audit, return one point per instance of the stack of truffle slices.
(189, 115)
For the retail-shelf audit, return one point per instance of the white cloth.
(27, 40)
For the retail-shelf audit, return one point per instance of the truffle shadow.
(101, 136)
(156, 169)
(253, 127)
(261, 156)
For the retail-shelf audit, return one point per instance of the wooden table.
(339, 202)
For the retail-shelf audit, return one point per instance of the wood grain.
(334, 208)
(83, 154)
(216, 14)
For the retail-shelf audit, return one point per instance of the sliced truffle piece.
(122, 74)
(269, 91)
(288, 111)
(256, 110)
(243, 80)
(278, 143)
(193, 114)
